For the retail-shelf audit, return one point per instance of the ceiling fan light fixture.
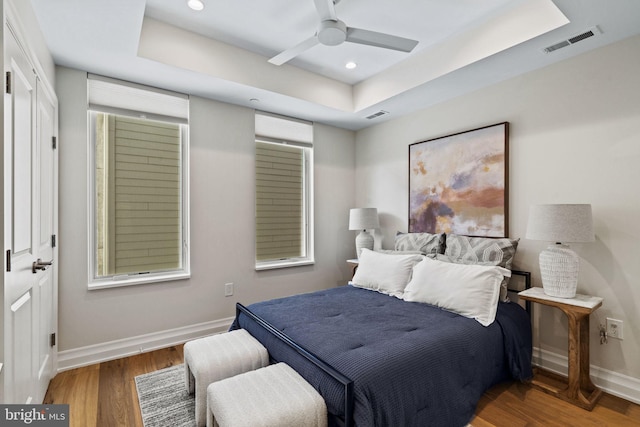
(196, 5)
(332, 33)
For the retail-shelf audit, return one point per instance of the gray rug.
(163, 399)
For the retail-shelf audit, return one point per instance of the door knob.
(40, 265)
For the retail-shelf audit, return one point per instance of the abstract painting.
(458, 183)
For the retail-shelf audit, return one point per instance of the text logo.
(34, 415)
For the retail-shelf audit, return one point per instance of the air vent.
(378, 114)
(557, 46)
(594, 31)
(580, 37)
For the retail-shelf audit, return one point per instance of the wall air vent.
(378, 114)
(594, 31)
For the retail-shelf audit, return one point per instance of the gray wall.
(222, 227)
(574, 138)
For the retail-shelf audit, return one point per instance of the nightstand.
(579, 389)
(353, 263)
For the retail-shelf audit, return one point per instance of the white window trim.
(309, 225)
(115, 281)
(137, 279)
(293, 262)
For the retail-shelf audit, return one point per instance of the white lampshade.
(559, 265)
(363, 219)
(560, 223)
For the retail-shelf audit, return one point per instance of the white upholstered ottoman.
(275, 396)
(218, 357)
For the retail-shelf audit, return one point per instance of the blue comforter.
(412, 364)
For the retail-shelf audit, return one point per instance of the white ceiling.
(222, 52)
(269, 27)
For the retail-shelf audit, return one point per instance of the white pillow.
(469, 290)
(385, 273)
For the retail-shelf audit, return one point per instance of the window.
(284, 165)
(139, 140)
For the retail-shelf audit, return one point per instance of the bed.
(379, 360)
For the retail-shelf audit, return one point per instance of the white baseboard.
(623, 386)
(89, 355)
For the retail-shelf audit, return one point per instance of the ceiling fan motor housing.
(332, 33)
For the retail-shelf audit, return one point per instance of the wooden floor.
(104, 395)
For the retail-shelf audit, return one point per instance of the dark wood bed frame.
(330, 370)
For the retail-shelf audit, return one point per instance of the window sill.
(272, 265)
(137, 279)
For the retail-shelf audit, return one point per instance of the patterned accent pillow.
(426, 243)
(482, 251)
(394, 252)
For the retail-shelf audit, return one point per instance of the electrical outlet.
(614, 328)
(228, 289)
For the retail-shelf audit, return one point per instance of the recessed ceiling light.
(195, 4)
(350, 65)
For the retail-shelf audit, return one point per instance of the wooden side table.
(353, 263)
(580, 390)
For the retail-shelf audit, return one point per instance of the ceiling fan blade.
(289, 54)
(373, 38)
(326, 9)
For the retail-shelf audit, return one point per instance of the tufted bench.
(218, 357)
(275, 396)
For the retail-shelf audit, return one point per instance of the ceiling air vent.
(378, 114)
(594, 31)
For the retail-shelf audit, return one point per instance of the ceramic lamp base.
(363, 240)
(559, 267)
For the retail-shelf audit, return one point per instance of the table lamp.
(559, 265)
(363, 219)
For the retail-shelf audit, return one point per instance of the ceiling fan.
(333, 32)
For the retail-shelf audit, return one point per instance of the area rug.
(163, 398)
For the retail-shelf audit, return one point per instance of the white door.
(46, 196)
(30, 192)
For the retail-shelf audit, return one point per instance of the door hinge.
(8, 82)
(8, 260)
(54, 141)
(52, 339)
(53, 240)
